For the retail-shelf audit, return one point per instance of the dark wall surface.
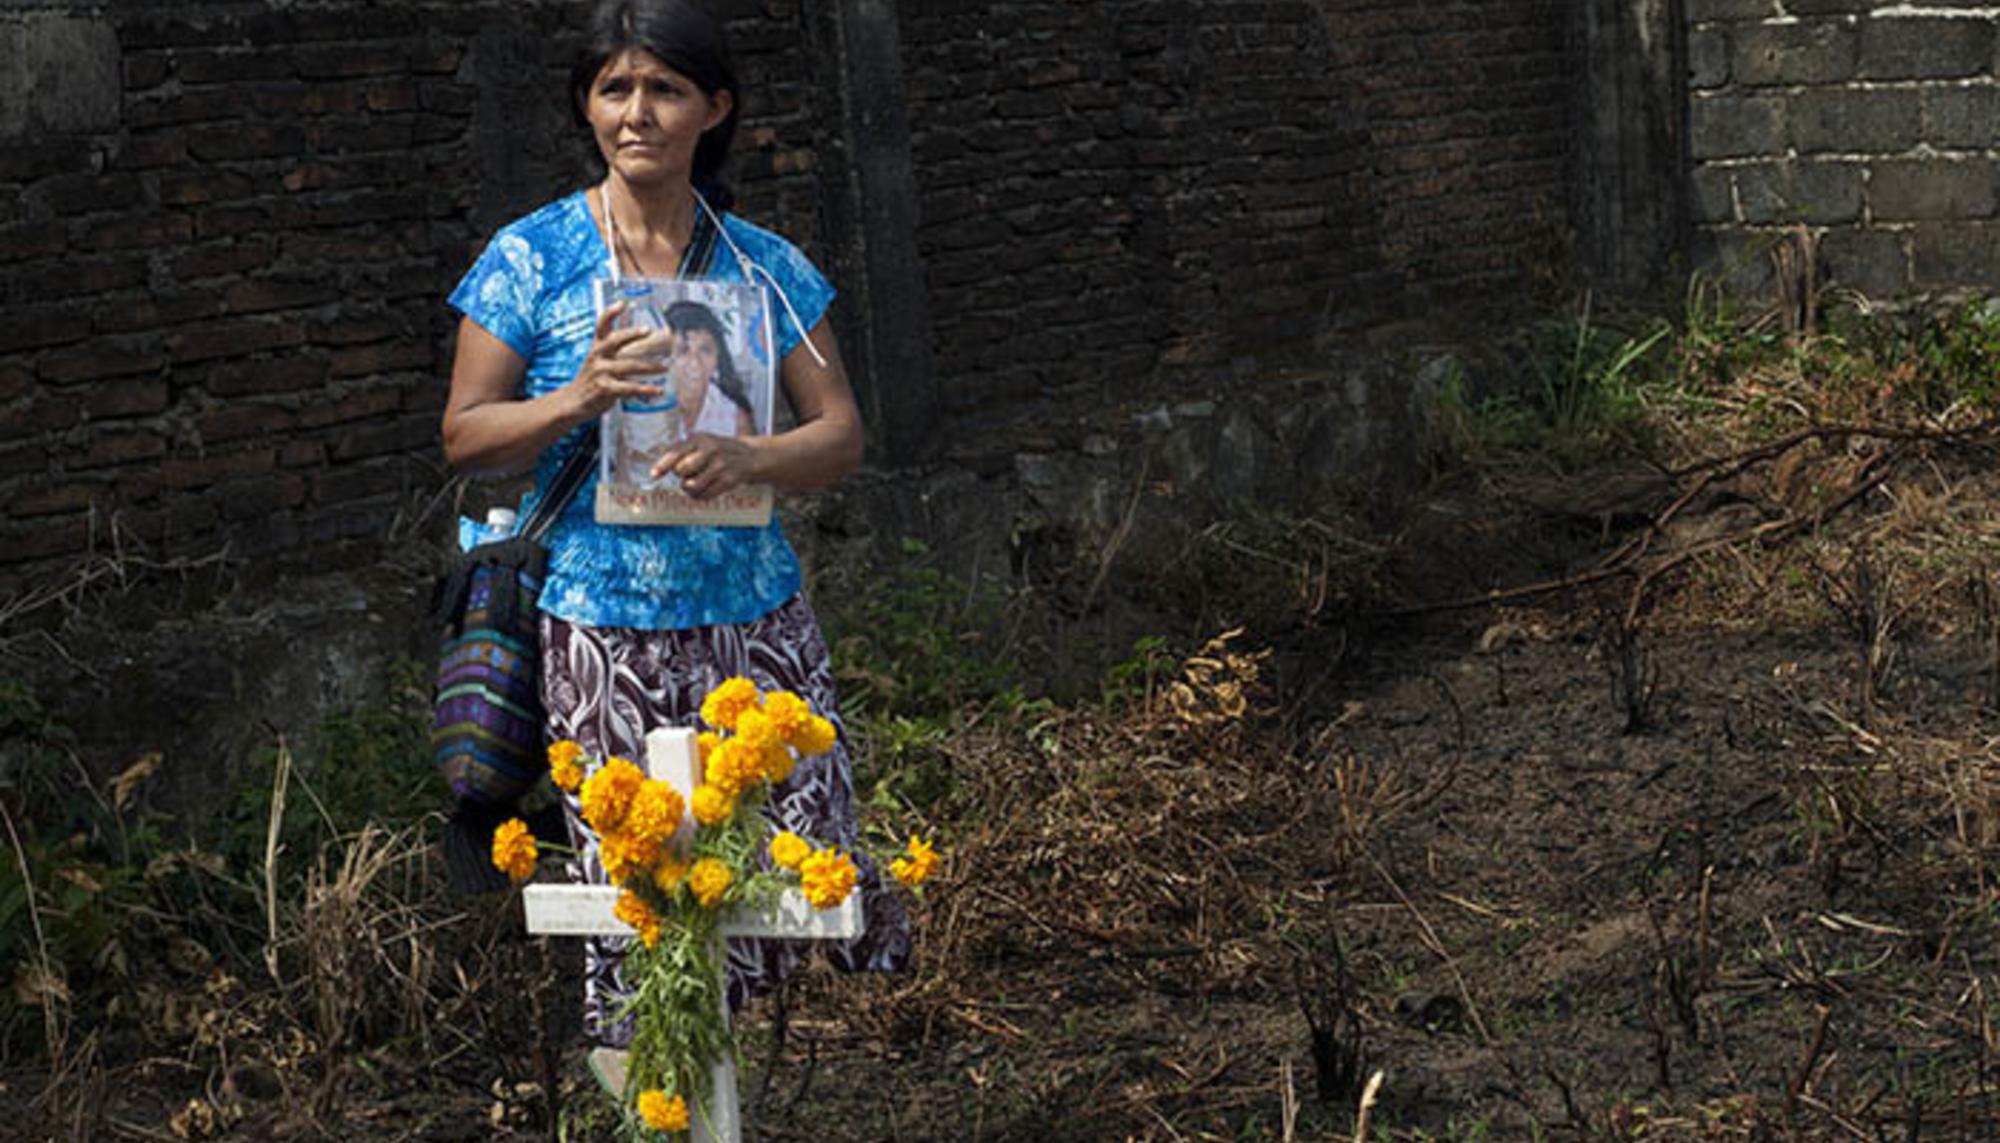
(220, 285)
(1112, 192)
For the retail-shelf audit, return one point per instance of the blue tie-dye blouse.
(531, 289)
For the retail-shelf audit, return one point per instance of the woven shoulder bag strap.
(563, 488)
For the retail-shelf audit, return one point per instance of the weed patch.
(1569, 389)
(909, 640)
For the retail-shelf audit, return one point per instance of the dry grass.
(369, 982)
(1184, 849)
(1236, 882)
(1278, 896)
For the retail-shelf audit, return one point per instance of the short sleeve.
(792, 275)
(502, 291)
(808, 290)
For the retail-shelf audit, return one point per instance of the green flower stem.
(680, 1027)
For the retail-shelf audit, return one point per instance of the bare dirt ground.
(1716, 872)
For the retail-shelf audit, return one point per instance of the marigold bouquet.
(676, 883)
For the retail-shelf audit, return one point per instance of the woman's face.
(647, 117)
(695, 354)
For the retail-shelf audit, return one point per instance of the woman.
(639, 623)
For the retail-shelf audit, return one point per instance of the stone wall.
(1871, 124)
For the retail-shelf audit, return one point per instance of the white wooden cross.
(585, 911)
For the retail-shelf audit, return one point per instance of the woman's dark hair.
(692, 317)
(684, 35)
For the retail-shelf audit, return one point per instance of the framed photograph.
(718, 375)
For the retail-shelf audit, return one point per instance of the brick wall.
(227, 226)
(222, 316)
(1466, 105)
(1870, 123)
(1114, 193)
(226, 233)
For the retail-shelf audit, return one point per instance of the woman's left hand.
(707, 465)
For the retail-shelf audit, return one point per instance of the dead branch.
(1629, 559)
(1436, 945)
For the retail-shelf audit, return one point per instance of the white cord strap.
(610, 231)
(752, 270)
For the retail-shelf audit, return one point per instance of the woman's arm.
(822, 448)
(489, 430)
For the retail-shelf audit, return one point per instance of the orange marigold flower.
(727, 702)
(916, 864)
(655, 812)
(663, 1112)
(777, 762)
(755, 730)
(735, 767)
(827, 876)
(717, 764)
(788, 849)
(817, 737)
(788, 714)
(708, 880)
(627, 856)
(704, 745)
(607, 794)
(566, 765)
(747, 766)
(667, 875)
(712, 806)
(633, 910)
(514, 849)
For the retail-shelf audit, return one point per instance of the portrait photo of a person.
(703, 375)
(646, 427)
(702, 392)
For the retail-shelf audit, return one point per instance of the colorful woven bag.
(487, 719)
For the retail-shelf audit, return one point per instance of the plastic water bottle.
(498, 525)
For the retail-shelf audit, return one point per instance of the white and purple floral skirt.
(606, 687)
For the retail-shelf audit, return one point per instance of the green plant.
(1941, 359)
(77, 867)
(904, 767)
(915, 641)
(368, 765)
(1568, 388)
(1718, 343)
(94, 891)
(1587, 378)
(1132, 679)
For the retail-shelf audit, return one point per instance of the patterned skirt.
(606, 687)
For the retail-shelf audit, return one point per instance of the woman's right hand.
(616, 359)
